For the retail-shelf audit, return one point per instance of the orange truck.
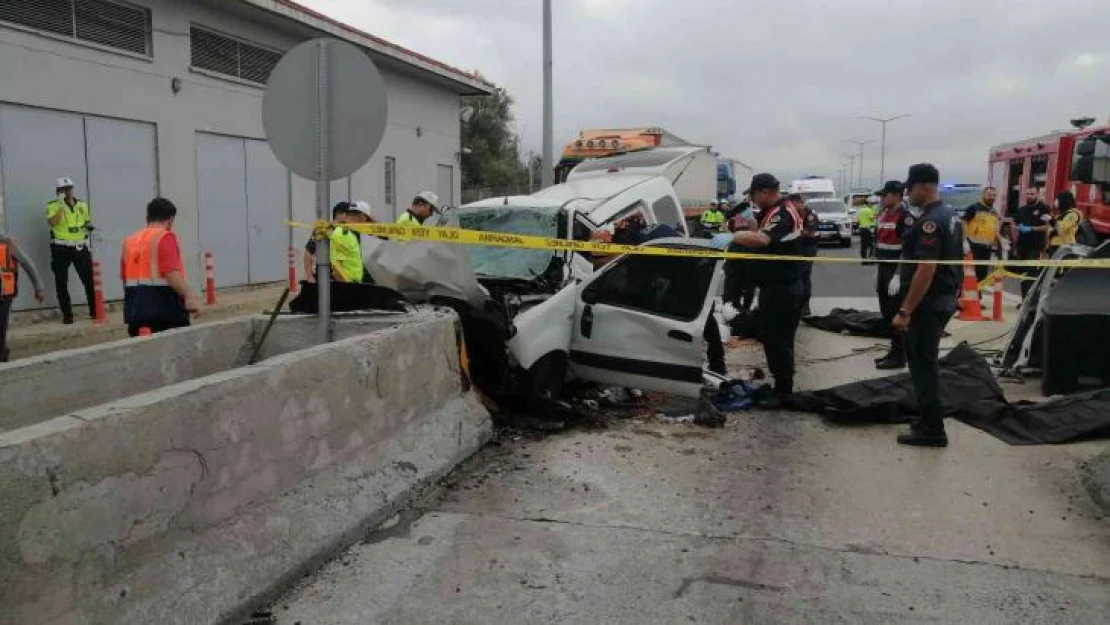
(607, 141)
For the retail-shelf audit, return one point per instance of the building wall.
(47, 72)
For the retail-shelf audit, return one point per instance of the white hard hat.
(361, 206)
(64, 181)
(431, 198)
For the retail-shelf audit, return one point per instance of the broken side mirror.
(591, 294)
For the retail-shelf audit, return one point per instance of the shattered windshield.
(507, 262)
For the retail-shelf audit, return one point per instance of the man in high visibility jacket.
(338, 216)
(982, 226)
(713, 219)
(346, 255)
(155, 293)
(11, 257)
(423, 205)
(867, 216)
(70, 223)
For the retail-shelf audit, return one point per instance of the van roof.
(653, 159)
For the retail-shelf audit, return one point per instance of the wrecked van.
(638, 322)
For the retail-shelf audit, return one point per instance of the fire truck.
(1076, 161)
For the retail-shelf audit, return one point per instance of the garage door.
(243, 192)
(267, 211)
(122, 179)
(222, 199)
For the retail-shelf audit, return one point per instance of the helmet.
(430, 198)
(361, 206)
(63, 182)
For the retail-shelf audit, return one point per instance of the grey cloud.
(779, 84)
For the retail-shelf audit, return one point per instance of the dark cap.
(762, 182)
(892, 186)
(922, 173)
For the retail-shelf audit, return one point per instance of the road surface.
(775, 518)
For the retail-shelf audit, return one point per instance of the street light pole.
(547, 173)
(851, 169)
(860, 144)
(882, 153)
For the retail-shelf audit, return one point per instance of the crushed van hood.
(422, 270)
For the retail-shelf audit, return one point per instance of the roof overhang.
(385, 53)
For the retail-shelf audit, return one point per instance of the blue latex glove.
(721, 240)
(1025, 229)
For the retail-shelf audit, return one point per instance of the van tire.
(545, 381)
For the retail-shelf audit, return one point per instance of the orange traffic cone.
(970, 307)
(998, 288)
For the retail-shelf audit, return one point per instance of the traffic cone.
(970, 307)
(144, 331)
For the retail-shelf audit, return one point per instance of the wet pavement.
(775, 518)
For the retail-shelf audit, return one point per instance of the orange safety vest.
(140, 258)
(9, 272)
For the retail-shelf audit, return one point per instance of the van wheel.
(545, 381)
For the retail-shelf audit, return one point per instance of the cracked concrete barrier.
(193, 502)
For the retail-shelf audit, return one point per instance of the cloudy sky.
(779, 83)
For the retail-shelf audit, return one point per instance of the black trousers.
(981, 253)
(780, 311)
(807, 286)
(866, 243)
(922, 353)
(61, 257)
(889, 304)
(1028, 251)
(155, 326)
(738, 289)
(5, 313)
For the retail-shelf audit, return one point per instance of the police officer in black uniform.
(781, 283)
(931, 293)
(809, 245)
(892, 225)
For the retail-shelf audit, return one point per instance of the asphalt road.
(775, 518)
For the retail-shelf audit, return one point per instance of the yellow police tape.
(462, 236)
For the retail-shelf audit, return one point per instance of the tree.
(491, 157)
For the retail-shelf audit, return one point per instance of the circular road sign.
(331, 87)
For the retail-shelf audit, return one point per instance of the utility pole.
(882, 153)
(531, 171)
(547, 173)
(851, 170)
(860, 144)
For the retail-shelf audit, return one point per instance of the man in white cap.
(423, 205)
(70, 223)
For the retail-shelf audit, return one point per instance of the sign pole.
(323, 188)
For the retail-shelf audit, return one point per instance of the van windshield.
(508, 262)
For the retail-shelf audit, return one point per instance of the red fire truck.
(1076, 161)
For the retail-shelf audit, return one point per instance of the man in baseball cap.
(931, 291)
(423, 205)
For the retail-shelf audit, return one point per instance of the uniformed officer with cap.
(781, 288)
(895, 222)
(931, 292)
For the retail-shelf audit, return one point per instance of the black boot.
(921, 435)
(891, 363)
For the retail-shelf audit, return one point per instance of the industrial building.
(163, 97)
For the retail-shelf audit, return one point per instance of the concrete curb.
(1096, 478)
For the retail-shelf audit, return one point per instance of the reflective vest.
(346, 255)
(147, 296)
(1063, 233)
(9, 272)
(983, 227)
(888, 236)
(866, 217)
(71, 228)
(408, 219)
(712, 218)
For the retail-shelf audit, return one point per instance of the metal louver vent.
(116, 25)
(256, 63)
(226, 55)
(111, 24)
(55, 16)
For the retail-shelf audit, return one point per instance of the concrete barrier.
(190, 503)
(45, 386)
